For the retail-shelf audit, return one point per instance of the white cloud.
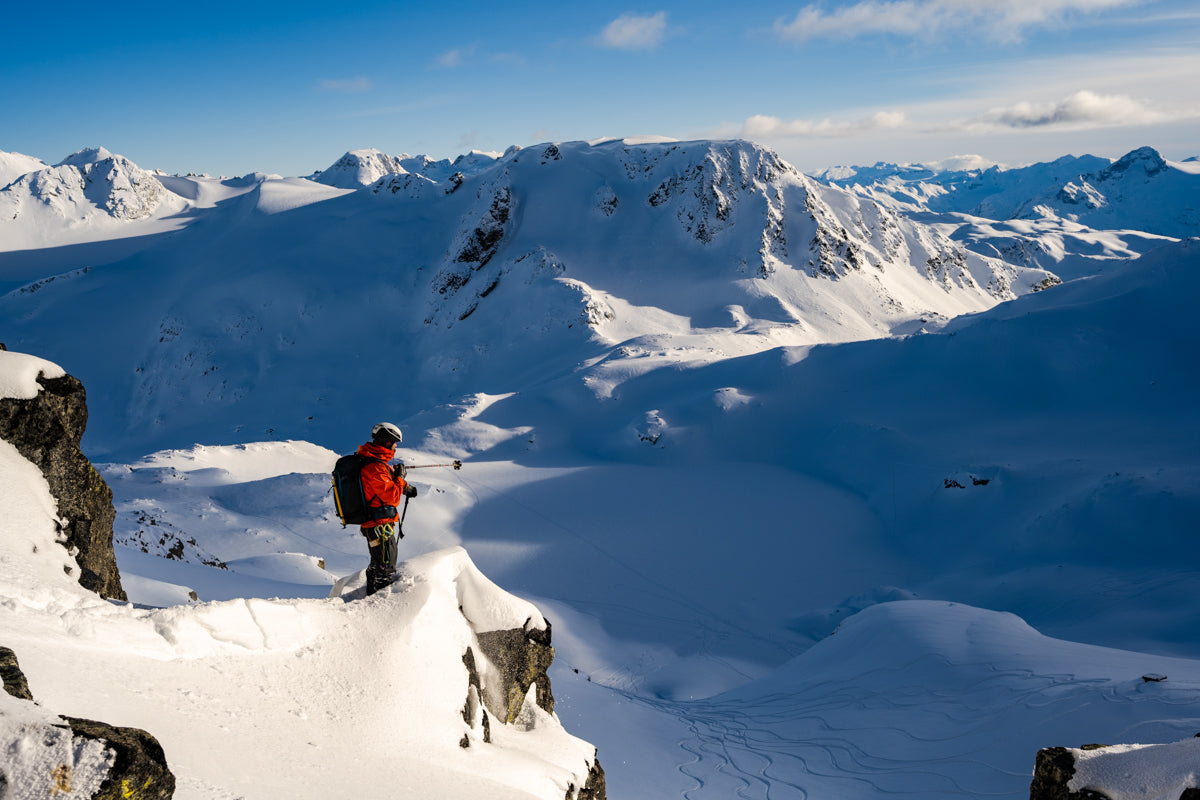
(453, 58)
(1082, 109)
(635, 32)
(764, 127)
(962, 163)
(929, 18)
(348, 85)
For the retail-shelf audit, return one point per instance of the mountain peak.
(1146, 159)
(86, 156)
(92, 177)
(358, 168)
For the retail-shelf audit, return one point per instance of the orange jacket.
(380, 486)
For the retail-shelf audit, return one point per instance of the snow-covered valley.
(827, 485)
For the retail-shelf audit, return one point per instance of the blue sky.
(230, 88)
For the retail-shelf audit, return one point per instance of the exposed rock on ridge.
(46, 430)
(522, 657)
(124, 762)
(506, 677)
(516, 666)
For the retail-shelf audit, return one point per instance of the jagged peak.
(1146, 159)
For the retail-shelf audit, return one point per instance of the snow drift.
(315, 683)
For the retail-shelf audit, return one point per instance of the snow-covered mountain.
(700, 434)
(550, 258)
(82, 186)
(1141, 191)
(358, 168)
(14, 165)
(994, 192)
(1070, 216)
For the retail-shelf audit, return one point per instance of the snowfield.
(263, 697)
(824, 491)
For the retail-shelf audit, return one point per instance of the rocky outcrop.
(1052, 773)
(139, 769)
(91, 759)
(521, 657)
(594, 788)
(1117, 772)
(14, 680)
(47, 430)
(517, 661)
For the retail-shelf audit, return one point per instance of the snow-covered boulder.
(1118, 772)
(43, 413)
(46, 755)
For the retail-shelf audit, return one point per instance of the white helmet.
(386, 430)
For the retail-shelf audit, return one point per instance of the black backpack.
(348, 496)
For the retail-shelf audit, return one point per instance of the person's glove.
(410, 490)
(400, 471)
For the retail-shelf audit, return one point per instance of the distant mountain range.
(562, 252)
(710, 411)
(1070, 215)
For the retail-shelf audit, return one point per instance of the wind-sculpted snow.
(313, 684)
(921, 700)
(19, 374)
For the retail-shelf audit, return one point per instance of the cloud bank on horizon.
(287, 88)
(934, 18)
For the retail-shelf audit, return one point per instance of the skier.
(383, 487)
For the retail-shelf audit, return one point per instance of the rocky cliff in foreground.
(46, 429)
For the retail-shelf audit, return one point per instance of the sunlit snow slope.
(261, 698)
(697, 434)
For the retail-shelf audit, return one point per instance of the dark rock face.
(140, 767)
(1054, 768)
(594, 789)
(46, 430)
(522, 656)
(474, 714)
(14, 680)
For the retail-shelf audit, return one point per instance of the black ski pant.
(381, 544)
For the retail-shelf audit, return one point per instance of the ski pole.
(400, 524)
(456, 464)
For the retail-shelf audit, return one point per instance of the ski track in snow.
(788, 746)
